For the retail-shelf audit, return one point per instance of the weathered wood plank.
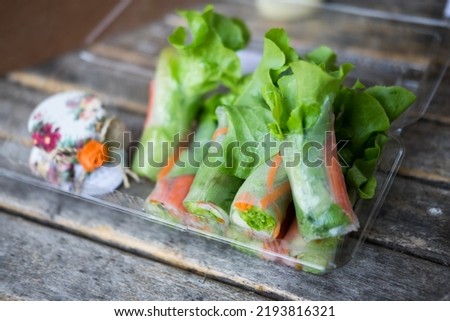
(41, 263)
(6, 297)
(52, 86)
(369, 276)
(439, 109)
(427, 147)
(415, 219)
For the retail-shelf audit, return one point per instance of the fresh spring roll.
(316, 256)
(175, 180)
(260, 205)
(318, 186)
(212, 192)
(187, 71)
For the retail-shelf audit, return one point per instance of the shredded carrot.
(245, 201)
(336, 178)
(171, 162)
(242, 206)
(151, 102)
(171, 192)
(181, 186)
(273, 195)
(219, 132)
(273, 172)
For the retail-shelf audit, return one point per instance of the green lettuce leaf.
(364, 117)
(324, 57)
(359, 176)
(394, 100)
(252, 114)
(209, 59)
(249, 132)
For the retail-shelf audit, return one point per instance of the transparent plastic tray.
(388, 49)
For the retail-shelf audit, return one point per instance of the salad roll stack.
(290, 135)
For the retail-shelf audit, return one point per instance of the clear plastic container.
(389, 49)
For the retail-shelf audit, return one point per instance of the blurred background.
(34, 31)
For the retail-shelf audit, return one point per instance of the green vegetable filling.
(257, 219)
(206, 214)
(329, 224)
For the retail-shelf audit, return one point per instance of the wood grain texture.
(135, 53)
(41, 263)
(427, 147)
(415, 219)
(51, 86)
(370, 276)
(439, 109)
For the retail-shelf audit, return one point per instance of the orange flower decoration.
(92, 155)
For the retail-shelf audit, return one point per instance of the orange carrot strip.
(242, 206)
(272, 196)
(151, 102)
(171, 192)
(281, 246)
(336, 178)
(219, 132)
(171, 162)
(245, 201)
(179, 189)
(273, 171)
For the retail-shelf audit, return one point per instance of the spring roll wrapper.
(212, 192)
(175, 180)
(322, 210)
(260, 205)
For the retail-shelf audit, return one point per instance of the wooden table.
(55, 247)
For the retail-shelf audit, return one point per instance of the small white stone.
(435, 211)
